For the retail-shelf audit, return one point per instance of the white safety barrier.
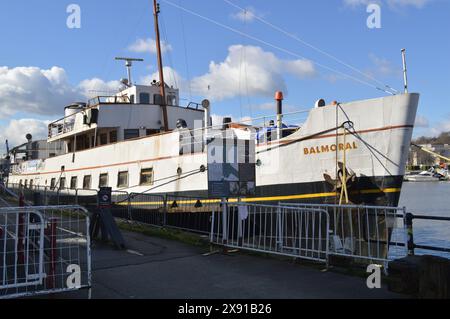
(371, 234)
(288, 231)
(44, 250)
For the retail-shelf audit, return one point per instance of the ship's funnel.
(279, 98)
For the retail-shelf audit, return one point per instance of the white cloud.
(441, 127)
(403, 3)
(356, 3)
(393, 4)
(95, 87)
(383, 67)
(249, 15)
(171, 77)
(422, 122)
(261, 73)
(148, 45)
(245, 69)
(16, 130)
(33, 90)
(37, 91)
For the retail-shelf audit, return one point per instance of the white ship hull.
(290, 169)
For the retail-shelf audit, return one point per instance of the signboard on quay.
(231, 167)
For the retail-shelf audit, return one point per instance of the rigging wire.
(296, 38)
(107, 66)
(274, 46)
(169, 54)
(244, 49)
(186, 58)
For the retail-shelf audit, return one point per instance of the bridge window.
(25, 184)
(52, 183)
(31, 183)
(157, 99)
(103, 180)
(146, 176)
(132, 98)
(171, 100)
(73, 182)
(131, 133)
(122, 180)
(149, 132)
(113, 136)
(62, 183)
(144, 98)
(103, 139)
(87, 181)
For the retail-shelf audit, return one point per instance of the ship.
(140, 140)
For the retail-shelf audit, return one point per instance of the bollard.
(409, 232)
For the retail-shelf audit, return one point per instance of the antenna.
(129, 64)
(405, 71)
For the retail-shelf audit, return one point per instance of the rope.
(344, 191)
(274, 46)
(296, 38)
(186, 175)
(305, 138)
(186, 58)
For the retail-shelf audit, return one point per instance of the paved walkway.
(158, 268)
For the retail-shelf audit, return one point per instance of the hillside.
(444, 138)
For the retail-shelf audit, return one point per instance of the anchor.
(351, 178)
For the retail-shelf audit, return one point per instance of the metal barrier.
(55, 196)
(190, 213)
(178, 212)
(371, 234)
(411, 239)
(288, 231)
(22, 248)
(147, 208)
(44, 250)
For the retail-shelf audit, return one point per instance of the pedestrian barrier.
(371, 234)
(44, 250)
(288, 231)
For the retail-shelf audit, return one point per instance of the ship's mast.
(160, 65)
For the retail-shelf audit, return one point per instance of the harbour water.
(432, 199)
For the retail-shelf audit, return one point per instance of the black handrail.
(409, 223)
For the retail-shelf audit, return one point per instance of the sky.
(333, 49)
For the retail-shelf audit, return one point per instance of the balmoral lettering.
(330, 148)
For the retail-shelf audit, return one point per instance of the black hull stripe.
(380, 191)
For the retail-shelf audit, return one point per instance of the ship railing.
(191, 214)
(140, 208)
(62, 126)
(46, 195)
(44, 250)
(278, 230)
(108, 100)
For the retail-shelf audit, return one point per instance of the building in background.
(419, 158)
